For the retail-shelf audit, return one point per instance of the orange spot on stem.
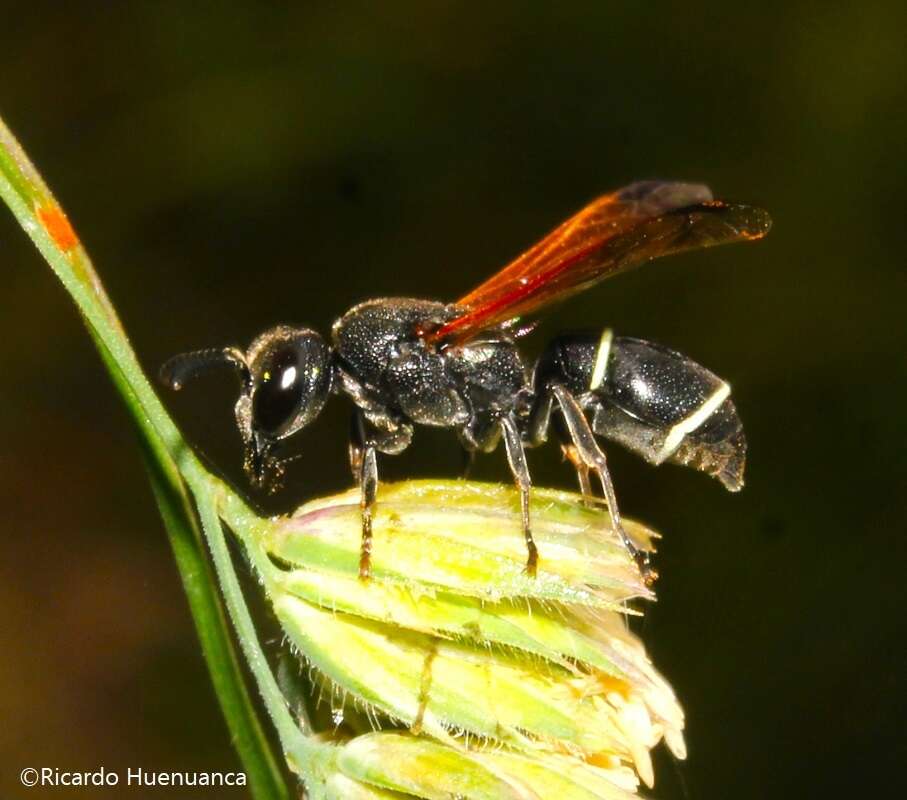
(56, 223)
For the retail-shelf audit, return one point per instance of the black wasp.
(405, 362)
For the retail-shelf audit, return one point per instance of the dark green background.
(234, 165)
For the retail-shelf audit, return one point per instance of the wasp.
(406, 362)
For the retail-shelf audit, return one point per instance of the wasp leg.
(364, 463)
(540, 420)
(357, 445)
(516, 457)
(593, 457)
(582, 473)
(469, 460)
(368, 481)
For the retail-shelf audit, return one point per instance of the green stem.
(298, 748)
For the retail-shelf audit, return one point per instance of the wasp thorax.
(291, 379)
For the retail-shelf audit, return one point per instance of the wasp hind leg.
(582, 472)
(586, 450)
(516, 457)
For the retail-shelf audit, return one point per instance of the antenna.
(185, 366)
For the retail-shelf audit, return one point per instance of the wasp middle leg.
(482, 435)
(516, 457)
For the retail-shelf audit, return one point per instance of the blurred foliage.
(285, 163)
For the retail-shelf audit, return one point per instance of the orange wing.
(612, 234)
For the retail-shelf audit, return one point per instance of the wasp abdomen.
(652, 400)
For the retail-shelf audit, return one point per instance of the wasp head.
(286, 378)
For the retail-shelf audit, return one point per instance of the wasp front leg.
(364, 464)
(468, 461)
(367, 439)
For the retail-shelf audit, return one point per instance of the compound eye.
(279, 392)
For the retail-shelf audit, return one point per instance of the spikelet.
(485, 681)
